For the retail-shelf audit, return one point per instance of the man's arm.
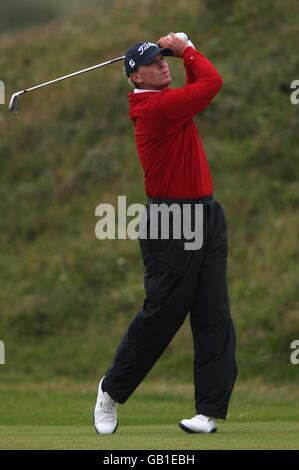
(184, 103)
(189, 75)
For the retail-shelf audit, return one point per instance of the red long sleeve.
(190, 78)
(184, 103)
(168, 142)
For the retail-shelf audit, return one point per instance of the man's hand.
(173, 42)
(186, 39)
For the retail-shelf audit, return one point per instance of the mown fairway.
(44, 418)
(254, 435)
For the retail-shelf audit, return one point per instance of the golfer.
(177, 281)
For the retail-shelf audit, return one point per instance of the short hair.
(130, 81)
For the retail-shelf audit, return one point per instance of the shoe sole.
(188, 430)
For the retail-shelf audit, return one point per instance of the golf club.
(14, 104)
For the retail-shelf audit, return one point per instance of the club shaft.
(79, 72)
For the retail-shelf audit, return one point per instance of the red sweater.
(167, 140)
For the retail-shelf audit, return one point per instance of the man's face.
(155, 76)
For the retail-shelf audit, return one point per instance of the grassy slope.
(21, 14)
(65, 296)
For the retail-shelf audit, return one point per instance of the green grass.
(232, 436)
(66, 298)
(60, 417)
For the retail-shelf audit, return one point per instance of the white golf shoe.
(199, 424)
(105, 417)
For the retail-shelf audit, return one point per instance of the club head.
(14, 104)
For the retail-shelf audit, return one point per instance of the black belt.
(160, 200)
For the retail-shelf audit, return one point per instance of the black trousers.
(177, 282)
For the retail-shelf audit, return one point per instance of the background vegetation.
(66, 297)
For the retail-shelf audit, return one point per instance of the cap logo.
(132, 63)
(145, 46)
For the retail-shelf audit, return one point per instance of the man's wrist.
(183, 50)
(188, 51)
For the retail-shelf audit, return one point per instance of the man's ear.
(135, 78)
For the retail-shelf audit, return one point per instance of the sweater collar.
(139, 90)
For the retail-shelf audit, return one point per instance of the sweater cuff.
(188, 53)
